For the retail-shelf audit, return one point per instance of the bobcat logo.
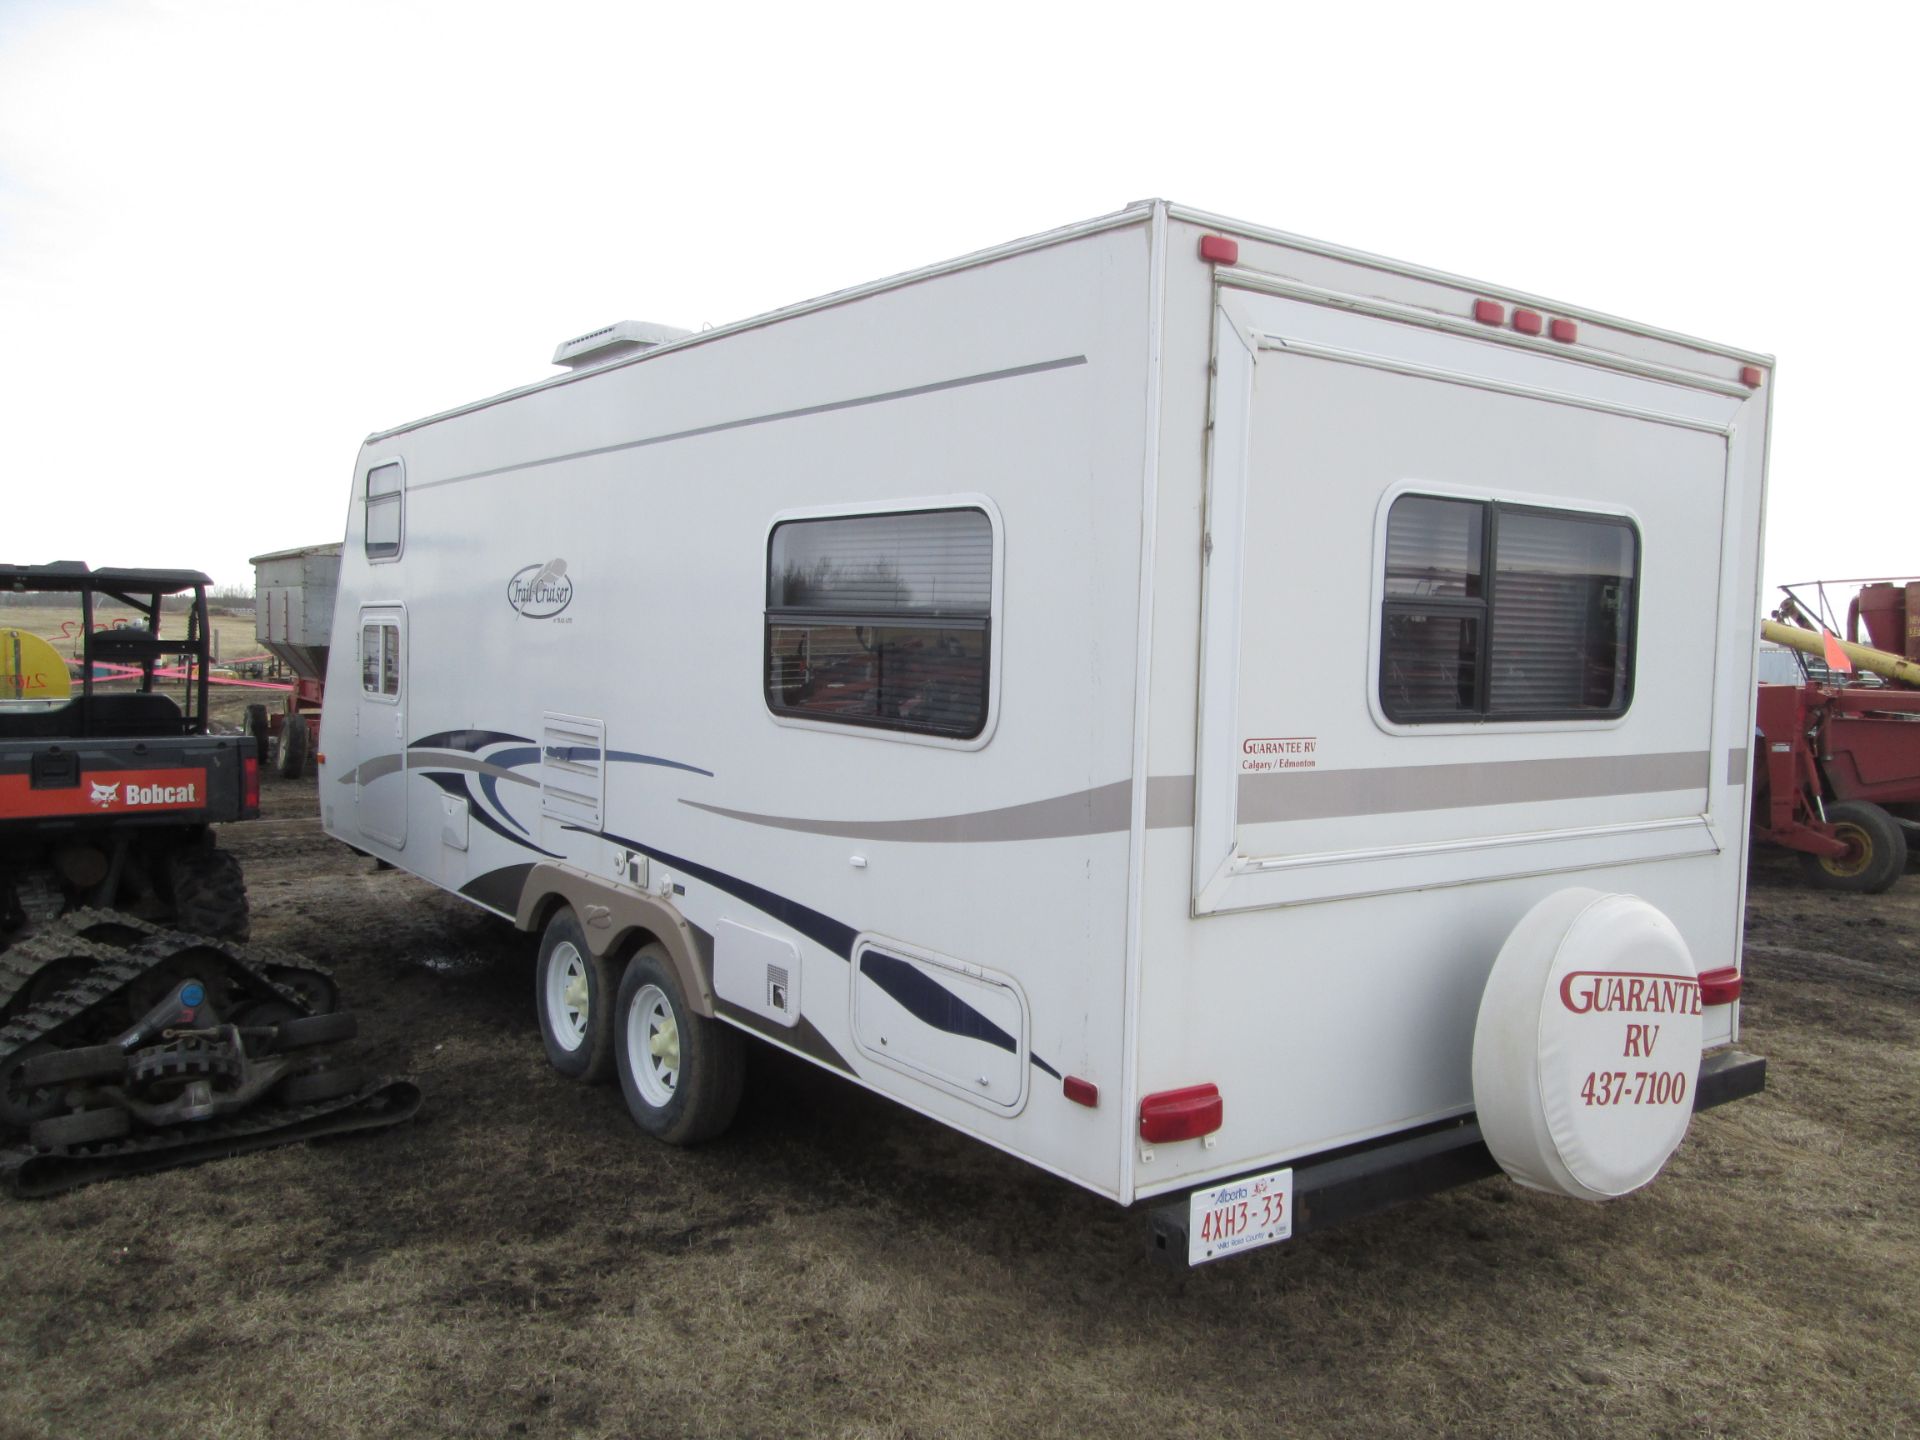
(105, 795)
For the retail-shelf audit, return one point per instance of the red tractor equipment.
(1837, 774)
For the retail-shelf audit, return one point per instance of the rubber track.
(20, 963)
(114, 971)
(30, 1174)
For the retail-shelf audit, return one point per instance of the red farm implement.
(1837, 773)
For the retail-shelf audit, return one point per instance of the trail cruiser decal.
(540, 592)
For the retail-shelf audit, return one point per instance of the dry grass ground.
(520, 1261)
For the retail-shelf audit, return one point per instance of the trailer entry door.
(381, 794)
(1460, 610)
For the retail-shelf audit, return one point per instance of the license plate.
(1241, 1215)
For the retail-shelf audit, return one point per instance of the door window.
(380, 659)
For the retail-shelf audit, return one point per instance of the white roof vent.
(611, 342)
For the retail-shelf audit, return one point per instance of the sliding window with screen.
(384, 501)
(1506, 612)
(882, 620)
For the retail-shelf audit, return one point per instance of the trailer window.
(383, 511)
(882, 620)
(380, 659)
(1509, 612)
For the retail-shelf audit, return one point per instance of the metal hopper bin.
(293, 620)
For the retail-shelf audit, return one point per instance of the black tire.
(314, 987)
(209, 893)
(88, 1063)
(83, 1127)
(696, 1097)
(293, 745)
(21, 1104)
(1876, 850)
(573, 990)
(298, 1034)
(317, 1085)
(258, 728)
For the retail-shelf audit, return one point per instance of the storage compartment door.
(1487, 732)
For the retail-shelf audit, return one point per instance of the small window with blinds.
(1506, 612)
(882, 620)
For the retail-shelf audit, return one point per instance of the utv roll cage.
(141, 644)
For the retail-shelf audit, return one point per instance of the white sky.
(236, 236)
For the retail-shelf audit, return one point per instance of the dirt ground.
(519, 1261)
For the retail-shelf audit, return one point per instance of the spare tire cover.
(1587, 1050)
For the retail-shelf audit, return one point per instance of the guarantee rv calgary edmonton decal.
(540, 592)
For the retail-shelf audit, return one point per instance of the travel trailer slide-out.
(1244, 725)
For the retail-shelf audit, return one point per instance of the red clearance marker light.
(1220, 249)
(1565, 331)
(1750, 376)
(1529, 322)
(1489, 312)
(1181, 1114)
(1720, 987)
(1081, 1092)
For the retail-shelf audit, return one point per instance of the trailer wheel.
(574, 989)
(209, 893)
(293, 745)
(1876, 850)
(680, 1072)
(257, 727)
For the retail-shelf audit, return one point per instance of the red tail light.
(1219, 249)
(1720, 987)
(1181, 1114)
(249, 786)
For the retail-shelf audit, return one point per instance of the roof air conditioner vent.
(612, 342)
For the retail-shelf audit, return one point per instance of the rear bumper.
(1357, 1180)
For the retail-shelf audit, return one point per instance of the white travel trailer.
(1120, 694)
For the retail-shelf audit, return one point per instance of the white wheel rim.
(568, 997)
(653, 1046)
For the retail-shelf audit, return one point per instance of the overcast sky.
(236, 236)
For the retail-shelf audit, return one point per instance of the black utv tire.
(258, 728)
(573, 990)
(1876, 850)
(88, 1064)
(694, 1098)
(209, 893)
(21, 1104)
(83, 1127)
(293, 746)
(325, 1029)
(314, 1086)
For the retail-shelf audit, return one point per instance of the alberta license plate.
(1239, 1215)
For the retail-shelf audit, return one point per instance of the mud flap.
(30, 1174)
